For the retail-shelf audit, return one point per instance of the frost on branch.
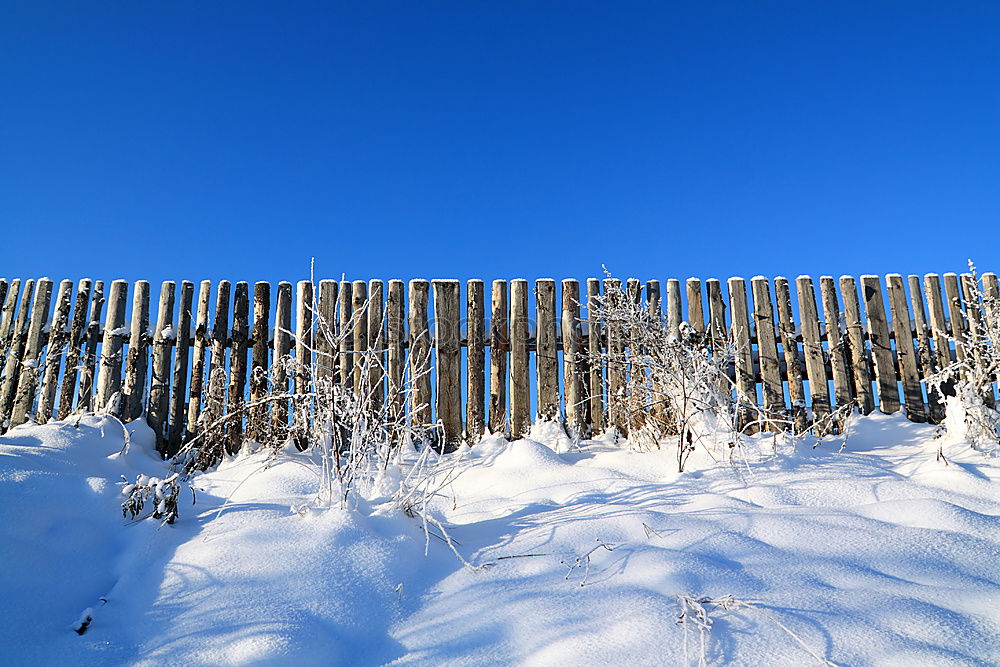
(967, 383)
(162, 494)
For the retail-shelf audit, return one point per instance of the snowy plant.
(967, 383)
(677, 388)
(360, 440)
(162, 494)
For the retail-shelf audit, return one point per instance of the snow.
(869, 551)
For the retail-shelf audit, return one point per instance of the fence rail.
(526, 354)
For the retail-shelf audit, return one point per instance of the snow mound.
(869, 551)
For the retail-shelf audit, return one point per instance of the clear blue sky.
(182, 140)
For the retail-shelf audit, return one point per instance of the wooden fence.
(86, 349)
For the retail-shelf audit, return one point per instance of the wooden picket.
(867, 348)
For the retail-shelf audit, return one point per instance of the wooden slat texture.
(744, 352)
(396, 342)
(159, 376)
(302, 377)
(325, 347)
(345, 311)
(448, 352)
(546, 357)
(637, 398)
(238, 364)
(938, 321)
(835, 343)
(58, 342)
(520, 383)
(812, 348)
(198, 358)
(217, 379)
(420, 353)
(956, 316)
(11, 292)
(572, 356)
(857, 353)
(767, 352)
(178, 391)
(499, 349)
(376, 342)
(137, 360)
(475, 315)
(359, 296)
(595, 337)
(925, 353)
(303, 337)
(259, 423)
(654, 301)
(615, 358)
(696, 307)
(282, 347)
(719, 331)
(674, 308)
(109, 376)
(905, 352)
(74, 352)
(88, 370)
(12, 364)
(32, 356)
(878, 336)
(991, 294)
(794, 370)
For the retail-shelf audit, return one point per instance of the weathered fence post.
(905, 354)
(12, 367)
(594, 348)
(181, 355)
(790, 349)
(58, 339)
(835, 342)
(303, 360)
(376, 342)
(449, 360)
(767, 352)
(617, 412)
(744, 351)
(520, 384)
(279, 361)
(396, 323)
(159, 382)
(857, 353)
(88, 371)
(238, 363)
(198, 360)
(326, 331)
(572, 377)
(137, 360)
(258, 425)
(346, 311)
(420, 353)
(476, 360)
(78, 333)
(28, 380)
(359, 293)
(878, 336)
(674, 310)
(109, 377)
(499, 343)
(546, 356)
(925, 355)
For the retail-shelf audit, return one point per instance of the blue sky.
(236, 140)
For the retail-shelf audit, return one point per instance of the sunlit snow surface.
(877, 554)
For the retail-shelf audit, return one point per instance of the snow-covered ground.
(876, 554)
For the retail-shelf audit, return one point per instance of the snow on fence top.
(518, 362)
